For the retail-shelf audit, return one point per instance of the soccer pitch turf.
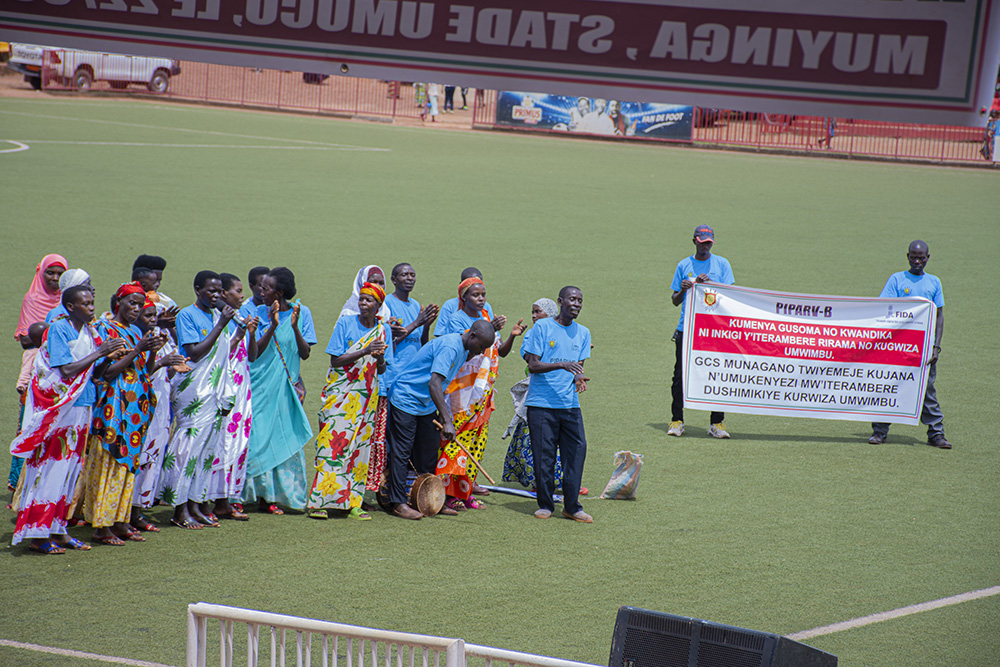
(791, 525)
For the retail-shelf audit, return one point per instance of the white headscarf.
(548, 307)
(72, 278)
(351, 305)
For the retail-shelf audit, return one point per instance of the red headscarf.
(125, 290)
(38, 300)
(464, 286)
(373, 289)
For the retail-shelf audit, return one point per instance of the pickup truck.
(80, 69)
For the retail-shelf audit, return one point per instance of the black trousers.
(561, 429)
(677, 386)
(411, 438)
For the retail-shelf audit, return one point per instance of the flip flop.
(234, 515)
(319, 514)
(73, 543)
(48, 547)
(359, 514)
(110, 540)
(189, 523)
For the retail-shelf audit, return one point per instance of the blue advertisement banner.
(594, 115)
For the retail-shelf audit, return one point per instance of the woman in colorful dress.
(359, 353)
(42, 296)
(53, 437)
(229, 468)
(276, 460)
(378, 458)
(147, 475)
(470, 396)
(124, 407)
(518, 465)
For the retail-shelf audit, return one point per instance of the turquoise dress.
(276, 460)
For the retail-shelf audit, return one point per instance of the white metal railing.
(339, 645)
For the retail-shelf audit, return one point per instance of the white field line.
(25, 144)
(896, 613)
(81, 654)
(193, 131)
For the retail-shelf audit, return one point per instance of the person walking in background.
(555, 349)
(700, 267)
(916, 282)
(276, 460)
(449, 99)
(433, 90)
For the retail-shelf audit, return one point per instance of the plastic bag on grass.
(625, 478)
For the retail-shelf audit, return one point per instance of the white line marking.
(19, 146)
(896, 613)
(81, 654)
(136, 143)
(184, 129)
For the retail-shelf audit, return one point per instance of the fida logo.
(894, 314)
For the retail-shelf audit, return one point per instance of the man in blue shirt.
(418, 391)
(917, 283)
(410, 323)
(555, 349)
(700, 267)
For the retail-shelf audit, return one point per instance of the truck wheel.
(83, 80)
(118, 85)
(160, 82)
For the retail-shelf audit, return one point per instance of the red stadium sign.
(909, 60)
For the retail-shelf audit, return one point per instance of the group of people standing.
(201, 408)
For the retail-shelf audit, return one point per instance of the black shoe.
(939, 442)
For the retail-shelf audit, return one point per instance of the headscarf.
(373, 289)
(351, 305)
(125, 290)
(464, 286)
(72, 278)
(38, 300)
(548, 306)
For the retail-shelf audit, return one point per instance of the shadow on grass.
(846, 439)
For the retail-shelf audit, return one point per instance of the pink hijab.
(39, 300)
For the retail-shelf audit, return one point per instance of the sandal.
(273, 509)
(73, 543)
(47, 547)
(110, 540)
(142, 523)
(454, 503)
(190, 523)
(237, 507)
(474, 504)
(359, 514)
(318, 514)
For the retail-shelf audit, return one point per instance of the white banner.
(806, 355)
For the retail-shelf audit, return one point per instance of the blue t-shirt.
(553, 342)
(56, 312)
(407, 312)
(459, 323)
(411, 390)
(60, 335)
(248, 310)
(193, 325)
(347, 332)
(305, 322)
(449, 308)
(716, 268)
(905, 283)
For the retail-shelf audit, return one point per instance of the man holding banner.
(700, 267)
(917, 283)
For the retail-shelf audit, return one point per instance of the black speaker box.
(646, 638)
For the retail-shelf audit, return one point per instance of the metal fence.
(276, 89)
(298, 641)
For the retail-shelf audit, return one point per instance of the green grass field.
(790, 525)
